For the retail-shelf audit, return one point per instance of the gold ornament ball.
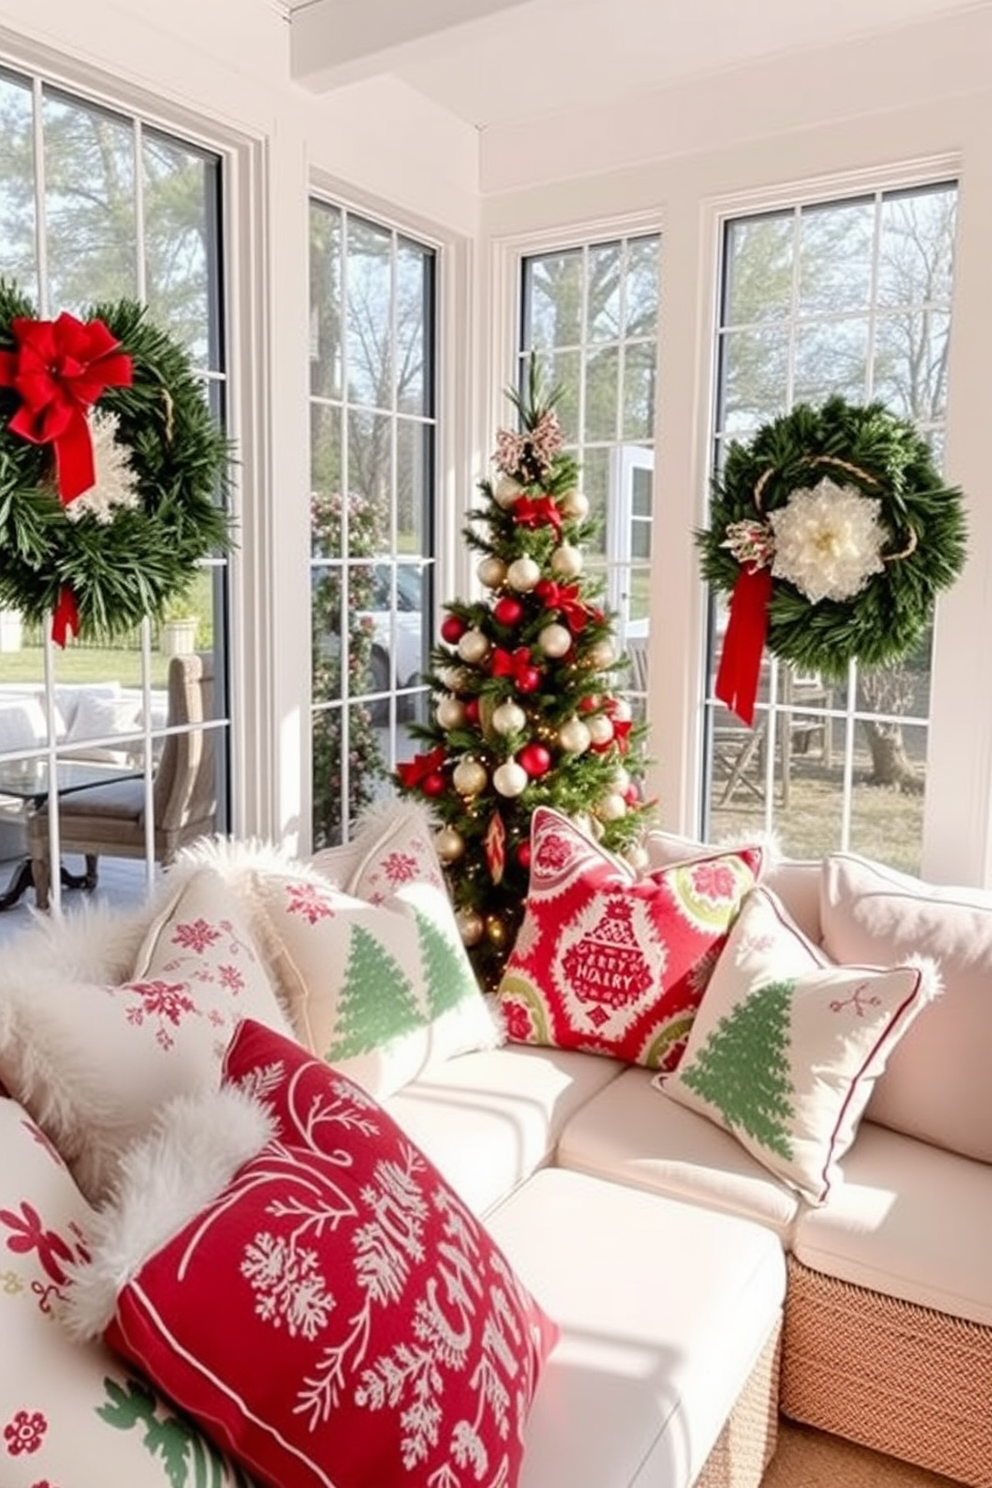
(454, 678)
(508, 718)
(450, 713)
(574, 736)
(600, 654)
(495, 930)
(522, 574)
(554, 639)
(510, 779)
(473, 646)
(450, 844)
(491, 571)
(566, 561)
(600, 729)
(611, 808)
(469, 776)
(471, 926)
(506, 491)
(574, 505)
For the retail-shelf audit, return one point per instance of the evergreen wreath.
(833, 531)
(113, 472)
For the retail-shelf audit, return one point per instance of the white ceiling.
(493, 62)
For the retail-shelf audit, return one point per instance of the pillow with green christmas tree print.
(378, 986)
(787, 1046)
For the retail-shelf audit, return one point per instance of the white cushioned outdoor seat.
(632, 1133)
(489, 1119)
(664, 1311)
(910, 1221)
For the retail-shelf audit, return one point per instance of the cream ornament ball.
(491, 571)
(508, 718)
(449, 844)
(612, 807)
(555, 640)
(567, 561)
(454, 678)
(469, 776)
(510, 779)
(638, 857)
(601, 654)
(600, 729)
(574, 736)
(574, 505)
(523, 574)
(506, 491)
(473, 647)
(450, 713)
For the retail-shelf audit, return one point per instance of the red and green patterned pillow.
(612, 963)
(287, 1265)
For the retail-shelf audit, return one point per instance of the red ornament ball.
(528, 679)
(589, 704)
(632, 795)
(535, 759)
(508, 611)
(452, 629)
(472, 709)
(433, 784)
(523, 854)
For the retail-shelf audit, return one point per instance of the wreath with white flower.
(832, 531)
(113, 472)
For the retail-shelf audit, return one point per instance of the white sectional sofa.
(697, 1294)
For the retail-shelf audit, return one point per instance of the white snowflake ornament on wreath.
(116, 483)
(828, 540)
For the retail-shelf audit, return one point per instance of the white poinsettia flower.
(828, 540)
(115, 480)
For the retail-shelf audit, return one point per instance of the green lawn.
(82, 664)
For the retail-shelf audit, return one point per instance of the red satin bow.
(416, 770)
(65, 619)
(513, 664)
(744, 642)
(537, 511)
(60, 368)
(565, 599)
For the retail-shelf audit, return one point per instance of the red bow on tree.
(60, 368)
(515, 664)
(565, 599)
(537, 511)
(415, 771)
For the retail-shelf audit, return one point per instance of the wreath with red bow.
(113, 472)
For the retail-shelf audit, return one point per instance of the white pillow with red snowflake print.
(787, 1046)
(72, 1415)
(91, 1061)
(373, 971)
(608, 961)
(286, 1264)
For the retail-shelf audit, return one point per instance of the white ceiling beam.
(333, 42)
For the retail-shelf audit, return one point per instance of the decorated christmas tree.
(527, 704)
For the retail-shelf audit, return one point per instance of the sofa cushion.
(936, 1085)
(377, 976)
(71, 1413)
(92, 1060)
(398, 1344)
(630, 1133)
(488, 1120)
(786, 1046)
(911, 1221)
(611, 963)
(796, 881)
(664, 1310)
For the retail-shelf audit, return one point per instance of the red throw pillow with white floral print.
(611, 963)
(328, 1309)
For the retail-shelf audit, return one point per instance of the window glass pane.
(325, 301)
(755, 373)
(758, 269)
(910, 366)
(639, 383)
(18, 250)
(604, 299)
(414, 447)
(413, 291)
(180, 190)
(832, 358)
(642, 288)
(90, 205)
(602, 384)
(368, 318)
(835, 258)
(553, 301)
(916, 252)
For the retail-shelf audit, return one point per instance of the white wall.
(873, 114)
